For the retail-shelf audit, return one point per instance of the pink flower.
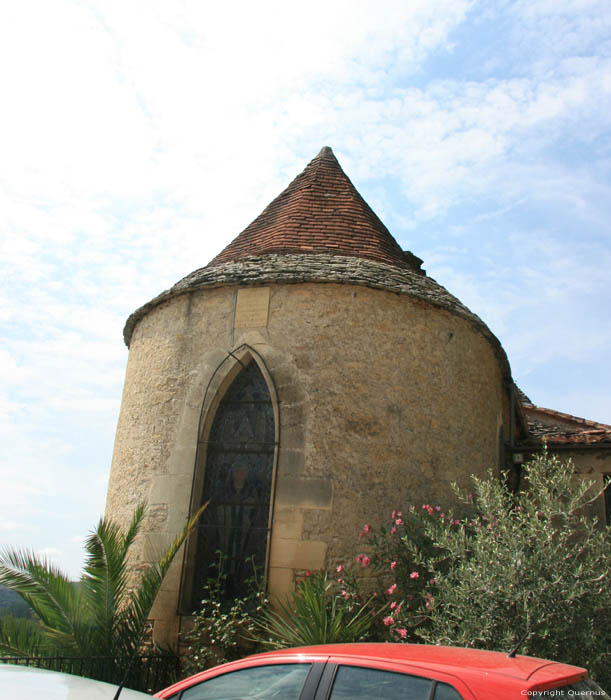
(437, 508)
(363, 559)
(339, 569)
(399, 521)
(307, 573)
(414, 575)
(392, 589)
(393, 564)
(402, 632)
(393, 605)
(366, 529)
(345, 595)
(393, 529)
(388, 620)
(396, 514)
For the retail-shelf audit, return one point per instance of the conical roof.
(319, 212)
(319, 230)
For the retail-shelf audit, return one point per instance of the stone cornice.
(321, 268)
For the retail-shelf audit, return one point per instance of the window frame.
(220, 381)
(326, 683)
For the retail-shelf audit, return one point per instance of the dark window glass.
(282, 681)
(443, 691)
(237, 481)
(356, 683)
(607, 478)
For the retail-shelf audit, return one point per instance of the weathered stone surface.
(298, 268)
(382, 398)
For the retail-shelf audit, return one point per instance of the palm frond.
(104, 577)
(48, 592)
(135, 613)
(102, 615)
(314, 614)
(134, 527)
(104, 582)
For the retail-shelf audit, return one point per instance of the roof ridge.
(320, 211)
(585, 422)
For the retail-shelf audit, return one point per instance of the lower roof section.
(562, 429)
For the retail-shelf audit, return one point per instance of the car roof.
(440, 658)
(34, 683)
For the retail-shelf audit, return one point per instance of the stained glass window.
(237, 481)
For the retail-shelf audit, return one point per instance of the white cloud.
(140, 137)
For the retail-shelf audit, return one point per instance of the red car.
(386, 672)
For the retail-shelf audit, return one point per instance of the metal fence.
(148, 673)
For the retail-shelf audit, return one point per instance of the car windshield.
(586, 689)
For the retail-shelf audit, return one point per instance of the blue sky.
(138, 138)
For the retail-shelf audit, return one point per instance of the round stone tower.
(309, 379)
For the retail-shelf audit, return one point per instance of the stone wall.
(593, 464)
(382, 400)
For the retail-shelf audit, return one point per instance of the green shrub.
(321, 610)
(224, 630)
(532, 563)
(398, 562)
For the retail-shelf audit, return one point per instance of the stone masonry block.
(306, 493)
(296, 554)
(165, 605)
(280, 582)
(290, 462)
(287, 523)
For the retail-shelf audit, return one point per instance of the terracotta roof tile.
(564, 429)
(319, 212)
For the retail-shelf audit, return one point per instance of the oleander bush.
(530, 566)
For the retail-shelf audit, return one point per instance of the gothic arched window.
(234, 529)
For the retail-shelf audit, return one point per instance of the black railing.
(148, 673)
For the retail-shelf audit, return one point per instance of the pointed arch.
(235, 470)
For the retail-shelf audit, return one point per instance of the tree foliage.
(530, 565)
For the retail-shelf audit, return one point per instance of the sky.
(138, 138)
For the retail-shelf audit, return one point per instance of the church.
(309, 379)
